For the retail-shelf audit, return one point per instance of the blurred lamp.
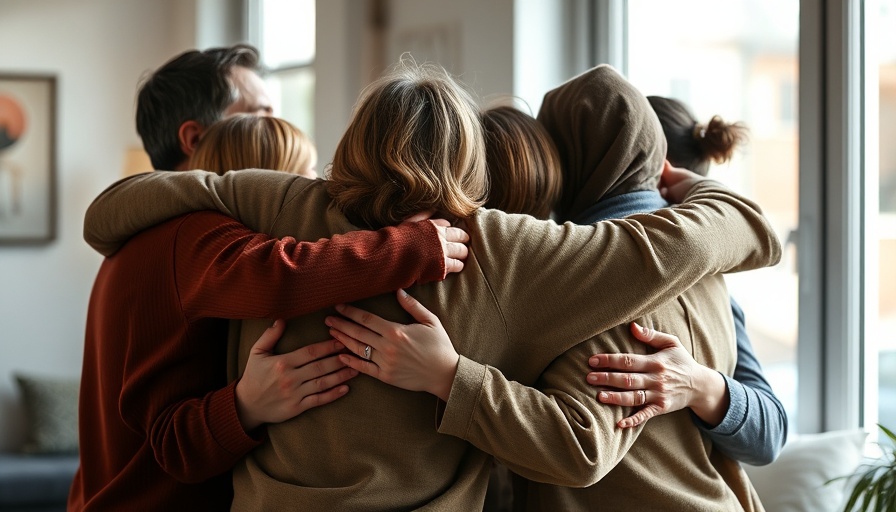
(135, 161)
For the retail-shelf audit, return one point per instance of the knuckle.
(280, 367)
(365, 318)
(628, 361)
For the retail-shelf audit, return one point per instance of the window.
(284, 32)
(816, 82)
(738, 59)
(880, 44)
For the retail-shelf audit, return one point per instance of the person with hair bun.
(693, 145)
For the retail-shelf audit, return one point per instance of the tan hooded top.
(599, 137)
(671, 465)
(532, 293)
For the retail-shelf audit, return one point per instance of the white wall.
(98, 49)
(470, 38)
(498, 48)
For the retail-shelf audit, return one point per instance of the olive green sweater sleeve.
(128, 206)
(627, 266)
(556, 434)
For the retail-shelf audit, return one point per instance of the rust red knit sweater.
(158, 423)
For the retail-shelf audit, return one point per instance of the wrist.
(711, 403)
(445, 379)
(244, 411)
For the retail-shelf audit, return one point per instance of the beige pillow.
(797, 480)
(51, 410)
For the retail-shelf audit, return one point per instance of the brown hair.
(414, 143)
(523, 164)
(694, 145)
(248, 141)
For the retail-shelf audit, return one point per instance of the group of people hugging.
(538, 317)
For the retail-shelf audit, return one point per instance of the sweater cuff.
(737, 410)
(425, 235)
(462, 400)
(224, 423)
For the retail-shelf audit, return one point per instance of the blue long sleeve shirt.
(754, 428)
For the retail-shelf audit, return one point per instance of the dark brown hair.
(195, 86)
(694, 145)
(522, 161)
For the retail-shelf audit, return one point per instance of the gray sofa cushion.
(51, 407)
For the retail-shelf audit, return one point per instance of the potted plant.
(874, 487)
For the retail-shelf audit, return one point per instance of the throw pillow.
(797, 480)
(51, 409)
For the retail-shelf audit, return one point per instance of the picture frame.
(27, 159)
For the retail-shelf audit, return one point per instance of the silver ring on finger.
(367, 351)
(642, 397)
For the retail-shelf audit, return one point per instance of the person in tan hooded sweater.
(531, 291)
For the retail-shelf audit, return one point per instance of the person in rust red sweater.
(160, 427)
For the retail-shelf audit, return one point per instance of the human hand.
(676, 183)
(416, 357)
(663, 382)
(454, 245)
(453, 239)
(277, 387)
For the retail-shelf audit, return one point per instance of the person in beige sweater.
(531, 291)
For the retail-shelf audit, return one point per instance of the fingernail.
(592, 378)
(338, 346)
(402, 292)
(603, 396)
(594, 361)
(353, 372)
(342, 390)
(273, 324)
(340, 307)
(328, 321)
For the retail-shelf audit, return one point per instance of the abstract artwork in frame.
(27, 159)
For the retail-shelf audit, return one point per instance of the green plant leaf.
(873, 483)
(889, 433)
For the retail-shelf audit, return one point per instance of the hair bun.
(718, 139)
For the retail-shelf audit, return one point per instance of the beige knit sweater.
(532, 291)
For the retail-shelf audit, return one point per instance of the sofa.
(37, 476)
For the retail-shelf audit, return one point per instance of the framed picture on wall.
(27, 159)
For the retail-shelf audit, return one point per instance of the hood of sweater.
(609, 139)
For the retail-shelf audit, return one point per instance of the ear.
(188, 134)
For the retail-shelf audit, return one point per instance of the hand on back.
(416, 357)
(277, 387)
